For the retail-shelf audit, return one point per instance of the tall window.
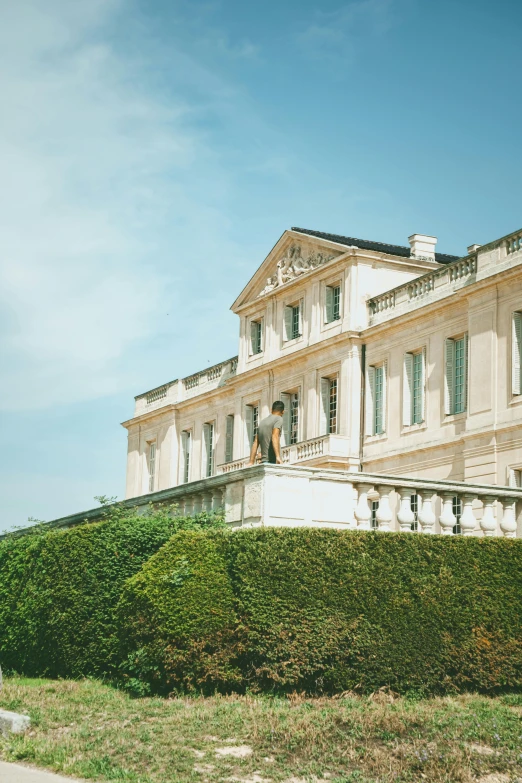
(229, 439)
(256, 337)
(456, 375)
(208, 443)
(293, 320)
(328, 423)
(332, 303)
(252, 423)
(515, 478)
(413, 388)
(457, 510)
(376, 382)
(151, 459)
(186, 445)
(290, 418)
(414, 505)
(516, 379)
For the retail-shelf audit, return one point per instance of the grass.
(91, 730)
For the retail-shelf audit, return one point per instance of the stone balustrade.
(514, 242)
(299, 496)
(327, 449)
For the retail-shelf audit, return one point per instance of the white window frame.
(290, 431)
(209, 436)
(408, 387)
(229, 438)
(329, 415)
(515, 477)
(257, 341)
(371, 399)
(186, 455)
(289, 320)
(516, 354)
(450, 379)
(152, 458)
(251, 423)
(329, 309)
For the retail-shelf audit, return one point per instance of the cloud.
(87, 154)
(336, 32)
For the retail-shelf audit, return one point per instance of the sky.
(153, 151)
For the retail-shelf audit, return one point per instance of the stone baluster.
(509, 522)
(488, 523)
(468, 523)
(405, 516)
(363, 512)
(384, 513)
(217, 499)
(426, 514)
(197, 505)
(206, 501)
(447, 519)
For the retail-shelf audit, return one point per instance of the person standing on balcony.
(268, 436)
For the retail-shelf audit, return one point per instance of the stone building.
(392, 361)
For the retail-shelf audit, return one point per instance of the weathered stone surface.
(13, 722)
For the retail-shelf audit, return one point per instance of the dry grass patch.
(90, 730)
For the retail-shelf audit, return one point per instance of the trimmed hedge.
(327, 611)
(59, 590)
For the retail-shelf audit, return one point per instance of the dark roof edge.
(367, 244)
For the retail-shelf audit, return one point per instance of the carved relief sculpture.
(293, 265)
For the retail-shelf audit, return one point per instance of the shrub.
(59, 589)
(177, 618)
(328, 611)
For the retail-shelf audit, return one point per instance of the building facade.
(391, 360)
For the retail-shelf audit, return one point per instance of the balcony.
(325, 451)
(297, 496)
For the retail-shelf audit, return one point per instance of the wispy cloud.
(87, 154)
(336, 32)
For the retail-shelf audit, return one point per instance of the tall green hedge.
(59, 590)
(328, 611)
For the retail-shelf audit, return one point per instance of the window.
(373, 520)
(290, 429)
(376, 399)
(414, 388)
(293, 321)
(414, 505)
(456, 360)
(332, 303)
(515, 478)
(151, 460)
(328, 420)
(252, 423)
(229, 439)
(256, 337)
(516, 353)
(186, 445)
(208, 449)
(457, 510)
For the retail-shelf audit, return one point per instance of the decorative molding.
(293, 265)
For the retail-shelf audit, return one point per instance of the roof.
(366, 244)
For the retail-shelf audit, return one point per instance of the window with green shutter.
(456, 375)
(516, 354)
(332, 303)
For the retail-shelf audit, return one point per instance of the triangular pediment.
(293, 256)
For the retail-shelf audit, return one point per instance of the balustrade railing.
(157, 394)
(514, 243)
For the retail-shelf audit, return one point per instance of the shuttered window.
(515, 478)
(376, 381)
(208, 449)
(414, 388)
(456, 375)
(252, 423)
(332, 303)
(293, 321)
(328, 407)
(151, 459)
(516, 353)
(186, 445)
(256, 337)
(229, 439)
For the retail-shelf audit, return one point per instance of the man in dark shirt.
(269, 436)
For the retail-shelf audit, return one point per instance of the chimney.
(422, 246)
(472, 248)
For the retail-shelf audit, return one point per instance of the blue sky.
(151, 153)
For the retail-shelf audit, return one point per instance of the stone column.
(384, 513)
(509, 522)
(426, 514)
(468, 523)
(405, 516)
(447, 519)
(363, 512)
(488, 523)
